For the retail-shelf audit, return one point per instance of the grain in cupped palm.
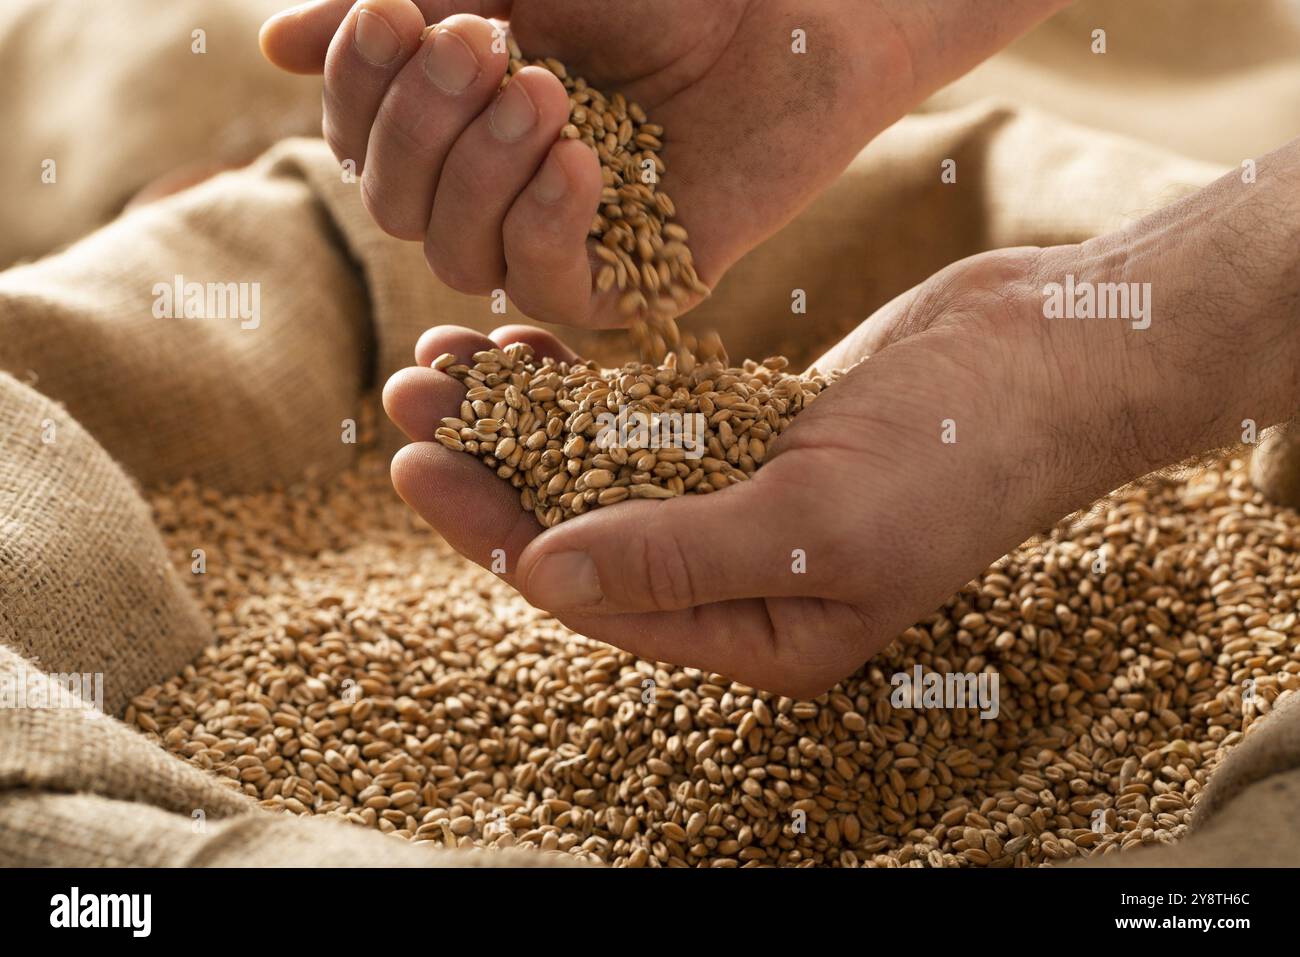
(549, 427)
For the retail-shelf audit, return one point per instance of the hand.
(1048, 414)
(710, 581)
(754, 130)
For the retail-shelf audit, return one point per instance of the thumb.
(297, 39)
(885, 325)
(745, 541)
(921, 307)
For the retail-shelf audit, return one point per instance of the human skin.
(499, 204)
(1050, 415)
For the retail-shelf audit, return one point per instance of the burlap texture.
(1275, 465)
(78, 550)
(85, 589)
(84, 584)
(1217, 80)
(119, 93)
(87, 830)
(229, 402)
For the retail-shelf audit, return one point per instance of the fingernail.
(375, 39)
(514, 113)
(551, 181)
(450, 63)
(564, 580)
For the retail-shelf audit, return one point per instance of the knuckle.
(800, 661)
(666, 578)
(778, 669)
(411, 127)
(540, 250)
(336, 121)
(527, 301)
(471, 184)
(392, 217)
(796, 679)
(545, 302)
(335, 142)
(543, 289)
(455, 274)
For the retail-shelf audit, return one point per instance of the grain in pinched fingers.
(647, 260)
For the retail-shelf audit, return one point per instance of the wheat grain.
(632, 228)
(573, 458)
(362, 670)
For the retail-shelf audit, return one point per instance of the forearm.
(944, 39)
(1218, 349)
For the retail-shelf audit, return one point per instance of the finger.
(417, 399)
(715, 637)
(684, 552)
(476, 512)
(433, 98)
(463, 343)
(543, 344)
(473, 509)
(798, 647)
(456, 340)
(548, 267)
(298, 39)
(493, 160)
(479, 516)
(375, 41)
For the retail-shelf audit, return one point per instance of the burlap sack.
(91, 613)
(84, 585)
(117, 94)
(1176, 73)
(1275, 465)
(84, 830)
(78, 549)
(232, 401)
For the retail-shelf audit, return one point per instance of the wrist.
(1209, 349)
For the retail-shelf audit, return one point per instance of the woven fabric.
(105, 386)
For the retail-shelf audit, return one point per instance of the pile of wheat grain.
(552, 429)
(362, 670)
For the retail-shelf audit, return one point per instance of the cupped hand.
(908, 476)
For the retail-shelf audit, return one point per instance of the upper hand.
(479, 178)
